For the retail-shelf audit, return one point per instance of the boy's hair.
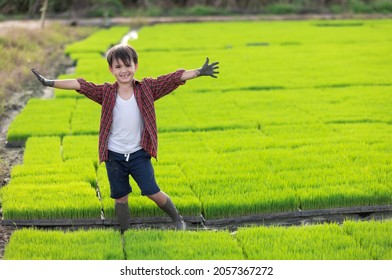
(122, 52)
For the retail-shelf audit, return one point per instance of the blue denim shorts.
(138, 165)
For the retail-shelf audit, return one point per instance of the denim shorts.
(138, 165)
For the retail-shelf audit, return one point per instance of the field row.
(351, 241)
(256, 55)
(265, 110)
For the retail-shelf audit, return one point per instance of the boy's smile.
(124, 73)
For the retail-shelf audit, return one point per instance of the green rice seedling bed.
(42, 150)
(299, 118)
(177, 245)
(59, 200)
(33, 244)
(85, 118)
(281, 54)
(351, 241)
(98, 42)
(42, 118)
(367, 240)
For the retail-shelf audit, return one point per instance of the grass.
(23, 49)
(57, 200)
(353, 240)
(32, 244)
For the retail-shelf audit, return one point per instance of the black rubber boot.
(170, 209)
(123, 215)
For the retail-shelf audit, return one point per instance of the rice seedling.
(80, 148)
(99, 41)
(42, 150)
(42, 118)
(374, 236)
(175, 245)
(316, 242)
(59, 200)
(85, 118)
(353, 240)
(93, 244)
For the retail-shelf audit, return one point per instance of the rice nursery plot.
(373, 236)
(367, 240)
(42, 118)
(57, 200)
(46, 187)
(42, 150)
(85, 118)
(283, 54)
(175, 245)
(93, 244)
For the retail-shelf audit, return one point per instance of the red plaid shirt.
(146, 92)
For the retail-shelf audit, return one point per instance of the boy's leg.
(166, 204)
(142, 172)
(119, 188)
(122, 212)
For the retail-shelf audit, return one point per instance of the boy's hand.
(43, 80)
(208, 70)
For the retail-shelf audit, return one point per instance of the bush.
(281, 8)
(383, 7)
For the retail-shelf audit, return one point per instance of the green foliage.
(378, 6)
(93, 244)
(98, 42)
(106, 8)
(282, 8)
(368, 240)
(373, 236)
(317, 242)
(57, 200)
(176, 245)
(42, 150)
(42, 118)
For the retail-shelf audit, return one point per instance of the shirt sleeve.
(165, 84)
(91, 90)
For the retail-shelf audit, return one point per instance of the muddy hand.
(43, 80)
(209, 69)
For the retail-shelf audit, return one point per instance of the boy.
(128, 131)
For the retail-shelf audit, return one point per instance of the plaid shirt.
(146, 92)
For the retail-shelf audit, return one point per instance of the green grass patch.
(176, 245)
(93, 244)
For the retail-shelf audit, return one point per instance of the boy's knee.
(159, 198)
(123, 199)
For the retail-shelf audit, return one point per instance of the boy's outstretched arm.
(71, 84)
(205, 70)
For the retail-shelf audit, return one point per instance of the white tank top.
(127, 127)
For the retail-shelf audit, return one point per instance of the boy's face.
(123, 73)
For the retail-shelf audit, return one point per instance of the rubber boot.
(123, 215)
(170, 209)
